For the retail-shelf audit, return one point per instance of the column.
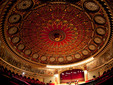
(85, 75)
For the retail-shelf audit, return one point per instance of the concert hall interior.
(56, 42)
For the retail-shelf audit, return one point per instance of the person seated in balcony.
(50, 81)
(94, 77)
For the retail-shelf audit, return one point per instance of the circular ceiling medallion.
(14, 18)
(91, 6)
(24, 4)
(52, 59)
(85, 52)
(28, 52)
(12, 30)
(43, 58)
(99, 19)
(57, 35)
(15, 39)
(77, 55)
(92, 47)
(97, 40)
(60, 59)
(100, 31)
(56, 31)
(35, 55)
(21, 46)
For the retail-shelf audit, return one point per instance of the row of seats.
(104, 79)
(5, 79)
(20, 77)
(31, 81)
(101, 80)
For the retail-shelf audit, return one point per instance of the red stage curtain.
(72, 75)
(50, 83)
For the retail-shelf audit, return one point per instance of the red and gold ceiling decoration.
(55, 32)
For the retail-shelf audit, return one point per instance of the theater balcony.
(56, 42)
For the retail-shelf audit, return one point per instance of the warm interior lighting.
(71, 65)
(85, 71)
(56, 75)
(23, 73)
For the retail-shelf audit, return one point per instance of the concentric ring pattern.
(55, 32)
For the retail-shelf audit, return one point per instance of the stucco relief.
(18, 71)
(108, 55)
(21, 65)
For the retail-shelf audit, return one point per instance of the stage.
(70, 84)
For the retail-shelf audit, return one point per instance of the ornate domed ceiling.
(55, 32)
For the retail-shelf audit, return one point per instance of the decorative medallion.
(35, 55)
(15, 39)
(57, 35)
(21, 46)
(100, 31)
(92, 47)
(14, 18)
(100, 19)
(91, 6)
(12, 30)
(43, 58)
(97, 40)
(60, 59)
(28, 52)
(77, 55)
(69, 58)
(25, 4)
(52, 59)
(85, 52)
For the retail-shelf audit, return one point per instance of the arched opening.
(72, 76)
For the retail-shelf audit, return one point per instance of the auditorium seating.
(10, 78)
(105, 79)
(15, 79)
